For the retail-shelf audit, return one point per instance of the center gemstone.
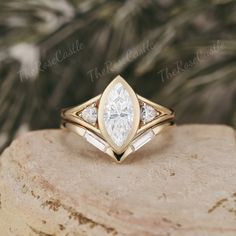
(118, 114)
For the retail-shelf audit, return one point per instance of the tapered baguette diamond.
(95, 140)
(118, 114)
(143, 139)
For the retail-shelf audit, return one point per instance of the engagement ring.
(118, 121)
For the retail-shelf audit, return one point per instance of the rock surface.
(183, 183)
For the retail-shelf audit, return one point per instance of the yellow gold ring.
(118, 121)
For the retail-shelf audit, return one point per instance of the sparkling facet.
(118, 114)
(90, 114)
(148, 113)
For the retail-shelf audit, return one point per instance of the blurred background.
(58, 53)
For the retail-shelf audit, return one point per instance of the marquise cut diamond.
(118, 114)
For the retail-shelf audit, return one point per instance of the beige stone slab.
(183, 183)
